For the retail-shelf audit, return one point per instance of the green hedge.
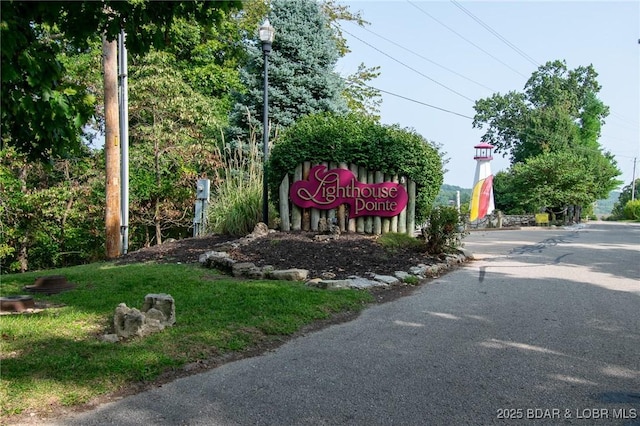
(355, 139)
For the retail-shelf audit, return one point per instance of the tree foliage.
(624, 197)
(173, 131)
(550, 131)
(508, 198)
(362, 98)
(49, 214)
(556, 181)
(43, 113)
(558, 110)
(302, 79)
(362, 141)
(632, 210)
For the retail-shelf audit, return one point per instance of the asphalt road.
(543, 328)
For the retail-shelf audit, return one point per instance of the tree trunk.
(147, 238)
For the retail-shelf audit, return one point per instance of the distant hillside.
(604, 207)
(447, 195)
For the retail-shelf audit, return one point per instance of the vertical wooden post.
(306, 214)
(394, 219)
(296, 212)
(341, 208)
(111, 147)
(352, 220)
(324, 213)
(411, 208)
(368, 221)
(331, 214)
(386, 221)
(315, 217)
(285, 225)
(377, 220)
(362, 178)
(402, 218)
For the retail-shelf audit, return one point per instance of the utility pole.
(124, 141)
(633, 179)
(111, 147)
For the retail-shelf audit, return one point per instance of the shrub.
(632, 210)
(362, 141)
(444, 230)
(393, 241)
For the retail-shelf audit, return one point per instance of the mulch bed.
(341, 257)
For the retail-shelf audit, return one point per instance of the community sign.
(327, 189)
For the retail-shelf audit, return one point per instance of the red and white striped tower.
(482, 196)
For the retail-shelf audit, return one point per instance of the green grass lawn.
(55, 357)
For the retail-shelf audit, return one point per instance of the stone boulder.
(293, 274)
(219, 260)
(161, 307)
(158, 312)
(130, 322)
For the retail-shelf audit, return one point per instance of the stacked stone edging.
(222, 261)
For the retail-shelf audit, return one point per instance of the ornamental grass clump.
(237, 204)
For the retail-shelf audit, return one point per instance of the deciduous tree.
(550, 131)
(42, 113)
(558, 110)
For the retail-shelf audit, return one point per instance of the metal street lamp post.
(266, 37)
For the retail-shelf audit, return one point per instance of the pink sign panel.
(327, 189)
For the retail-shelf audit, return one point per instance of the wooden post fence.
(293, 218)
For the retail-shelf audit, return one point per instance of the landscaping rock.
(223, 262)
(247, 269)
(158, 311)
(402, 275)
(219, 260)
(420, 271)
(386, 279)
(110, 338)
(161, 307)
(468, 255)
(290, 274)
(127, 321)
(335, 284)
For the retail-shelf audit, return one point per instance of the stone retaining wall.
(500, 220)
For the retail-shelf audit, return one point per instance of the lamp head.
(266, 32)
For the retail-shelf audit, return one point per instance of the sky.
(438, 57)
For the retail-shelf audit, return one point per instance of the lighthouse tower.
(482, 196)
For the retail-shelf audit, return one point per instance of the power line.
(407, 66)
(495, 33)
(429, 60)
(465, 39)
(625, 120)
(419, 102)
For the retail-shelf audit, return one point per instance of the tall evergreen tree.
(301, 70)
